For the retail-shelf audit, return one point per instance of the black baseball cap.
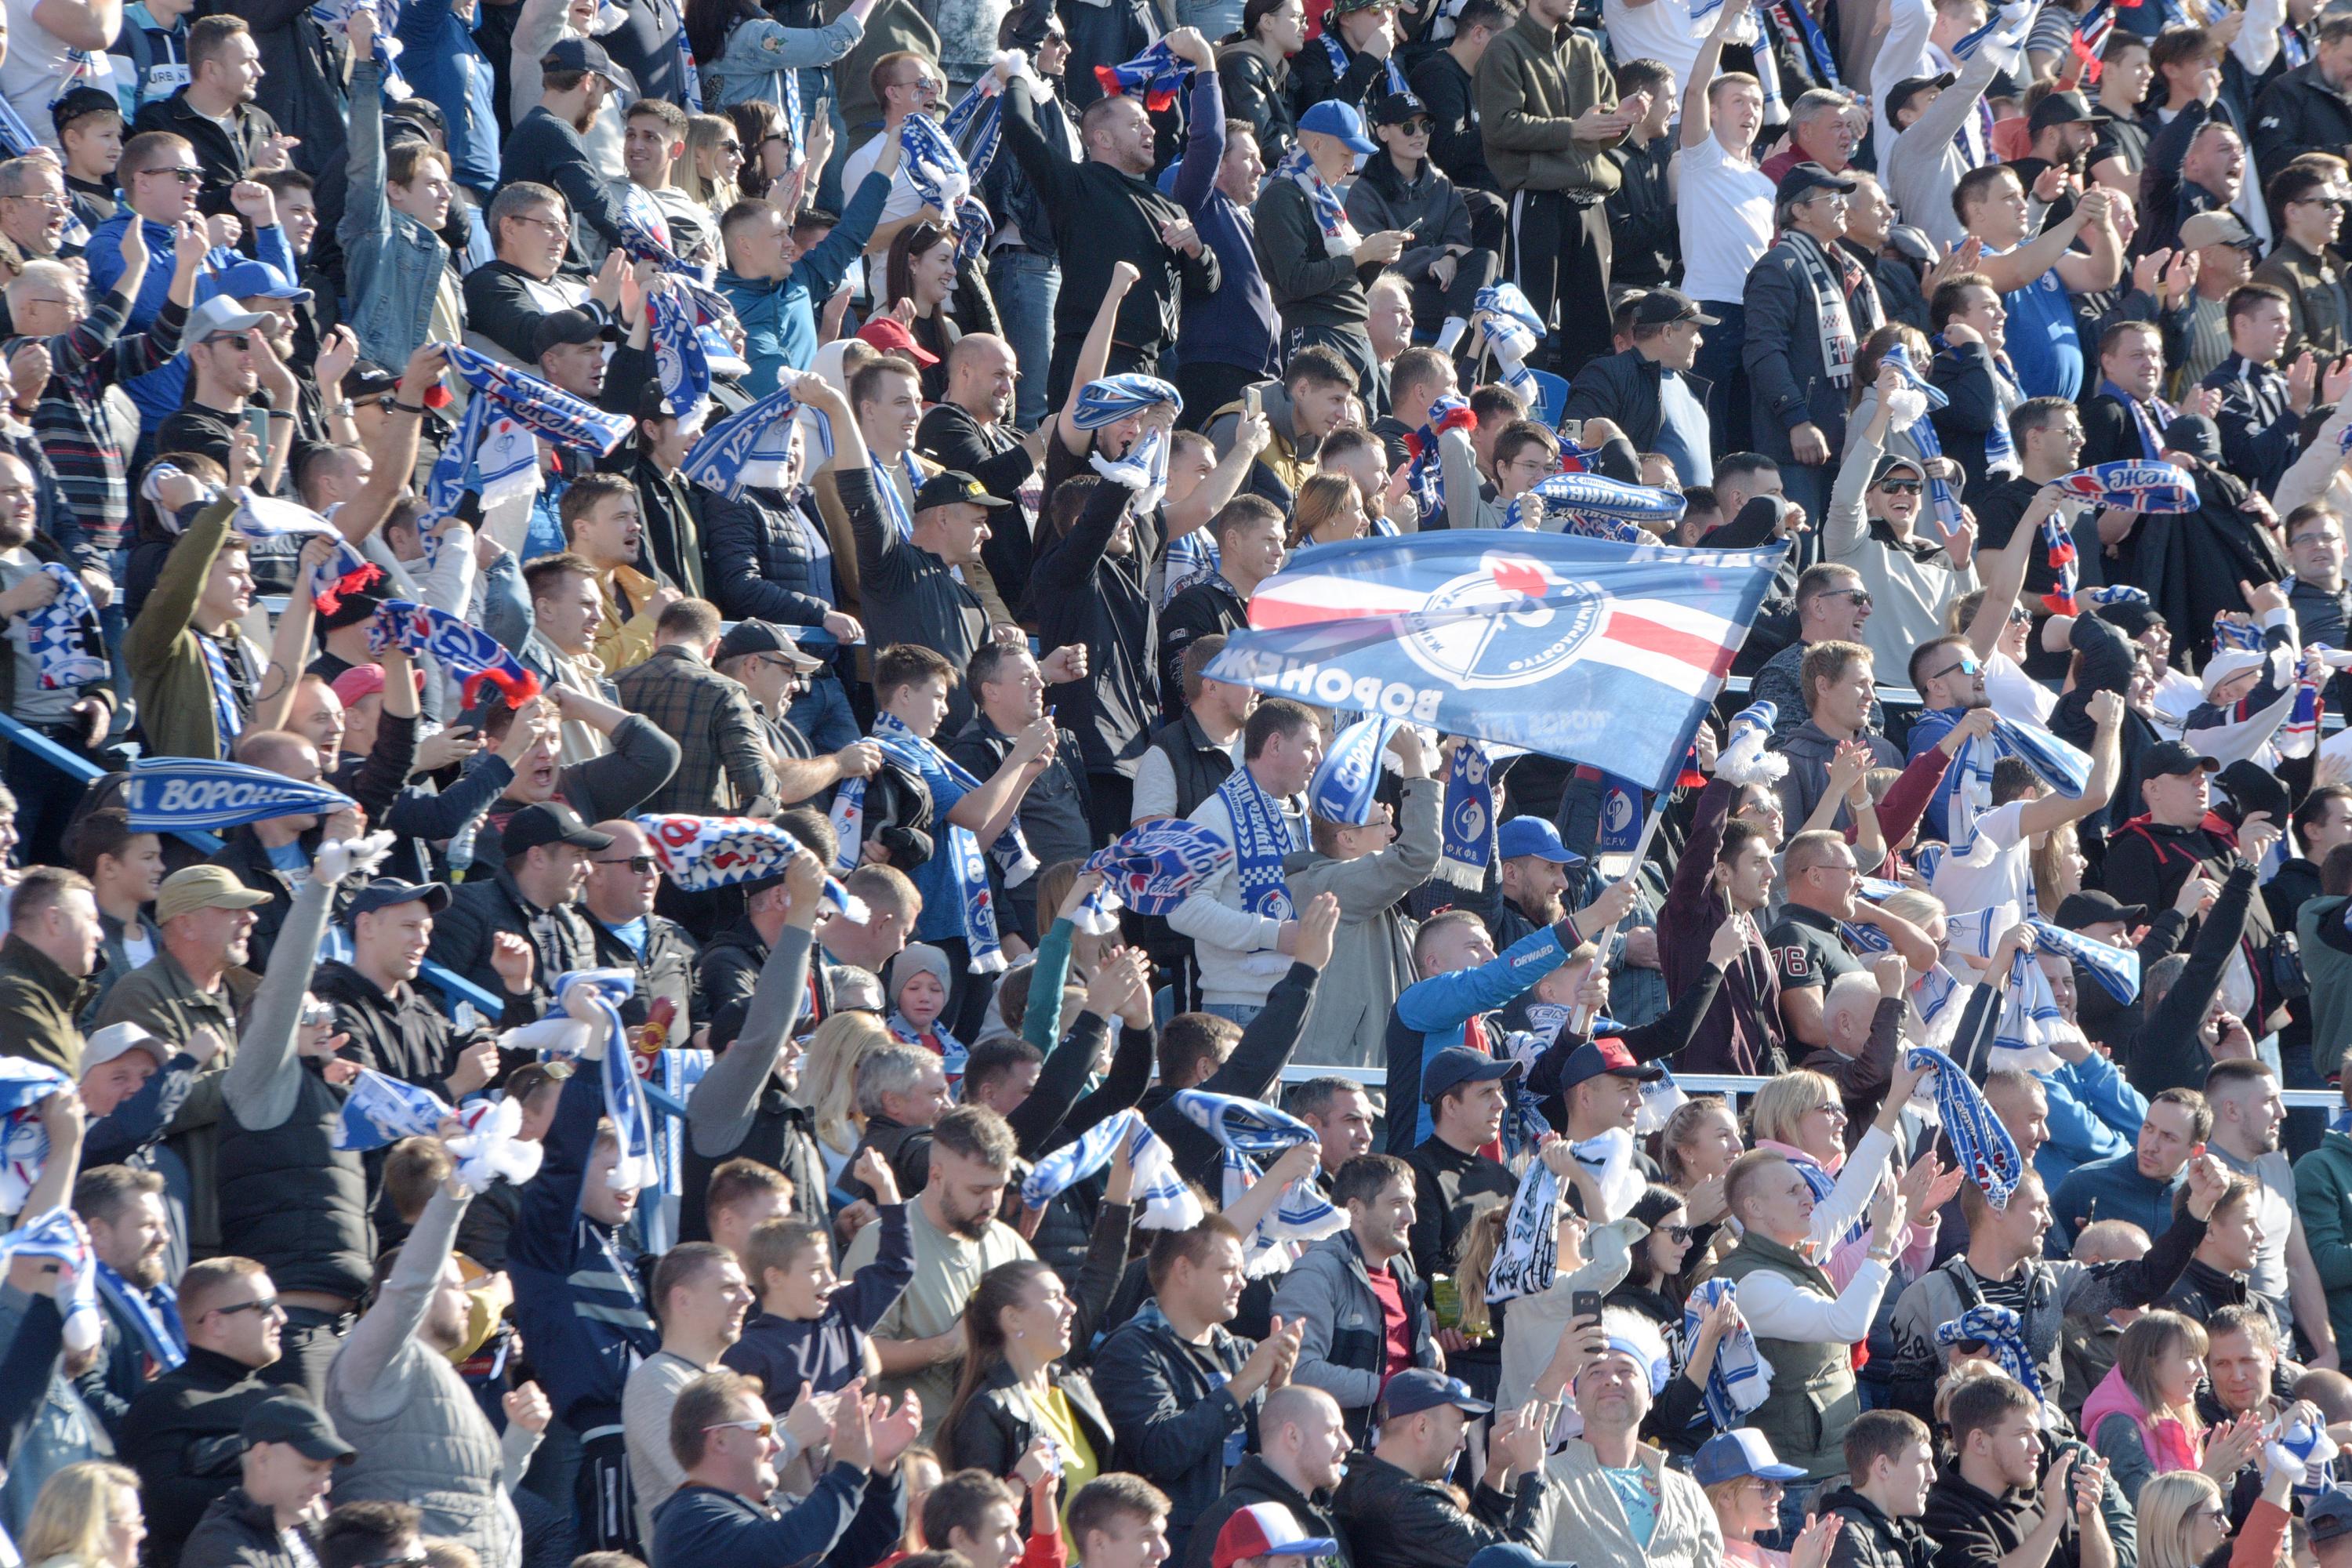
(299, 1425)
(2064, 109)
(953, 488)
(552, 823)
(2166, 757)
(2328, 1516)
(1396, 108)
(1803, 179)
(2093, 906)
(81, 103)
(386, 891)
(1664, 307)
(1454, 1065)
(763, 636)
(587, 55)
(1900, 95)
(571, 327)
(368, 379)
(1412, 1392)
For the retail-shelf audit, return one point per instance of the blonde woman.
(829, 1083)
(1745, 1480)
(714, 156)
(1800, 1115)
(88, 1516)
(2142, 1418)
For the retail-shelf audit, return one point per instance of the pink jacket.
(2170, 1446)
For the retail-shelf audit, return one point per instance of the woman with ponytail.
(1015, 1390)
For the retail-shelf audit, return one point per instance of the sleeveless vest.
(1812, 1399)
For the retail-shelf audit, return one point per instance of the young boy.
(811, 1330)
(125, 870)
(920, 986)
(1262, 1535)
(89, 122)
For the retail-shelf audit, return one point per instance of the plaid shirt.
(71, 416)
(725, 769)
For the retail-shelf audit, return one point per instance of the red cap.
(889, 334)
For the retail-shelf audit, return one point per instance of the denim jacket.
(392, 262)
(759, 52)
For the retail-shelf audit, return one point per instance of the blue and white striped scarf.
(381, 1110)
(153, 1314)
(228, 711)
(67, 645)
(1982, 1147)
(464, 651)
(1512, 329)
(1426, 476)
(1740, 1378)
(1249, 1133)
(1922, 431)
(261, 518)
(23, 1141)
(1111, 398)
(59, 1237)
(2000, 1331)
(976, 124)
(700, 853)
(751, 447)
(1466, 826)
(939, 176)
(894, 505)
(2030, 1021)
(953, 1054)
(592, 995)
(1166, 1202)
(2116, 969)
(1527, 1258)
(1339, 235)
(1337, 55)
(1347, 783)
(681, 363)
(1114, 398)
(1150, 868)
(494, 452)
(1592, 502)
(1262, 836)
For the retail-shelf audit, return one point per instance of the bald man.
(971, 431)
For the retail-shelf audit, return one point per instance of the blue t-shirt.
(1683, 433)
(2043, 343)
(1633, 1488)
(934, 878)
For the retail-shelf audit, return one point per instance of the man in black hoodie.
(1989, 1502)
(1302, 1453)
(1890, 1461)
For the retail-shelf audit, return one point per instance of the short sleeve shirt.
(1726, 206)
(1807, 950)
(1994, 867)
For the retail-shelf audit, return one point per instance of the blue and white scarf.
(1985, 1151)
(464, 652)
(1425, 479)
(1155, 76)
(1744, 759)
(751, 448)
(953, 1054)
(1598, 507)
(335, 16)
(183, 795)
(2137, 487)
(153, 1315)
(977, 907)
(1346, 785)
(700, 853)
(681, 363)
(228, 706)
(261, 518)
(1339, 235)
(944, 182)
(2148, 419)
(590, 995)
(1921, 428)
(2000, 1331)
(1528, 1255)
(1336, 54)
(1166, 1202)
(1511, 327)
(57, 1235)
(1263, 834)
(23, 1141)
(2030, 1022)
(1466, 826)
(1249, 1133)
(67, 645)
(2116, 969)
(1149, 869)
(976, 123)
(1143, 468)
(381, 1110)
(1740, 1378)
(495, 451)
(16, 138)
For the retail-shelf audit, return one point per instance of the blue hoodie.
(778, 316)
(441, 61)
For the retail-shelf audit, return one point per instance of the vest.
(1198, 769)
(294, 1203)
(1812, 1399)
(780, 1138)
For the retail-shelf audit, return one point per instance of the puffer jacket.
(1395, 1521)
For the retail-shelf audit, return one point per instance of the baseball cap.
(1533, 835)
(386, 891)
(2094, 905)
(2215, 228)
(2064, 109)
(1740, 1452)
(587, 55)
(2173, 757)
(197, 887)
(2225, 665)
(562, 327)
(257, 280)
(1900, 95)
(1412, 1392)
(2328, 1517)
(1594, 1058)
(1664, 307)
(115, 1040)
(763, 636)
(221, 313)
(1803, 179)
(1396, 108)
(551, 822)
(368, 379)
(1266, 1530)
(1456, 1064)
(889, 334)
(360, 681)
(1890, 461)
(80, 102)
(299, 1425)
(954, 488)
(1333, 118)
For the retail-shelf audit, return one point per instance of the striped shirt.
(71, 418)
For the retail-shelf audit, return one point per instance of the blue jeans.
(1027, 286)
(822, 716)
(1241, 1013)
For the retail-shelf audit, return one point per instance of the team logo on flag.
(1454, 635)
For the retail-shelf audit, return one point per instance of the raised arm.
(1698, 122)
(719, 1112)
(1093, 355)
(264, 1080)
(393, 1321)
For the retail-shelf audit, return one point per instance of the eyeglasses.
(548, 224)
(1965, 665)
(1901, 487)
(638, 864)
(765, 1428)
(54, 204)
(266, 1305)
(179, 172)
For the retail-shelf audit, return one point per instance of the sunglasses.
(639, 864)
(241, 342)
(184, 175)
(1677, 1234)
(1860, 596)
(734, 147)
(2020, 616)
(1414, 127)
(1965, 665)
(765, 1428)
(266, 1305)
(1900, 487)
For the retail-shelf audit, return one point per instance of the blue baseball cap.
(1333, 118)
(1411, 1392)
(1742, 1451)
(257, 280)
(1533, 835)
(1454, 1065)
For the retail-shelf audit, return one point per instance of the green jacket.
(2326, 949)
(1533, 82)
(1813, 1398)
(169, 675)
(39, 1000)
(2322, 1197)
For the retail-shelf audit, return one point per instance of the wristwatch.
(342, 410)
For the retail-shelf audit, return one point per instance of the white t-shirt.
(903, 202)
(2015, 695)
(1725, 204)
(2004, 873)
(34, 74)
(1661, 30)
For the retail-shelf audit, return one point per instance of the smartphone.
(256, 420)
(1573, 430)
(1585, 1304)
(1254, 401)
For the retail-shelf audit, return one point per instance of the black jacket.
(293, 1201)
(1870, 1539)
(559, 937)
(239, 1533)
(2257, 421)
(1202, 608)
(993, 1429)
(1314, 76)
(762, 564)
(1252, 95)
(1788, 383)
(667, 969)
(1173, 1412)
(1081, 594)
(182, 1436)
(2297, 113)
(950, 437)
(223, 158)
(1393, 1520)
(547, 150)
(1644, 232)
(729, 969)
(403, 1035)
(1455, 143)
(499, 306)
(1254, 1481)
(304, 69)
(1624, 388)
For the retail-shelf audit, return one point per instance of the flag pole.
(1581, 1018)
